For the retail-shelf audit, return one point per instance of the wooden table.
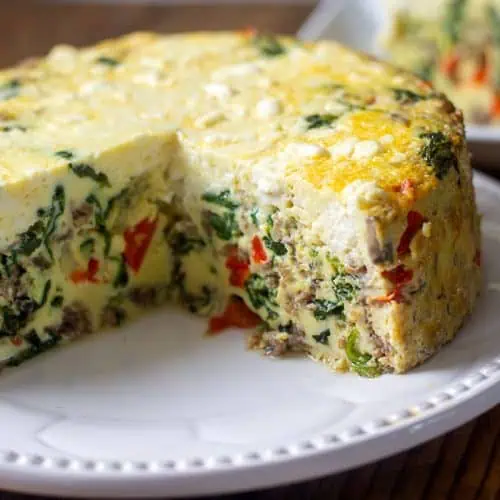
(463, 465)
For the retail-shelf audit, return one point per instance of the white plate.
(157, 409)
(360, 24)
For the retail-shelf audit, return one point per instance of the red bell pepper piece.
(480, 76)
(86, 275)
(239, 268)
(259, 255)
(395, 296)
(137, 241)
(399, 275)
(415, 221)
(450, 64)
(495, 105)
(236, 314)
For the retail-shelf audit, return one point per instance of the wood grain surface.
(462, 465)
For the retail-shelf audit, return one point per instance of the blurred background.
(31, 27)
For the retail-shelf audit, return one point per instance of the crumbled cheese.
(147, 77)
(305, 150)
(243, 69)
(217, 138)
(209, 119)
(335, 108)
(218, 90)
(398, 157)
(364, 150)
(268, 107)
(266, 175)
(387, 139)
(343, 148)
(63, 58)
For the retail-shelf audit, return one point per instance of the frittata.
(456, 45)
(302, 189)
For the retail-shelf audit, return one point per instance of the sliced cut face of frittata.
(301, 187)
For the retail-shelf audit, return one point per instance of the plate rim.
(320, 455)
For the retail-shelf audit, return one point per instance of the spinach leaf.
(225, 225)
(437, 152)
(121, 278)
(31, 239)
(65, 154)
(87, 247)
(359, 361)
(406, 96)
(57, 301)
(84, 170)
(453, 20)
(53, 213)
(100, 222)
(325, 308)
(345, 286)
(322, 338)
(108, 61)
(37, 346)
(182, 244)
(222, 199)
(319, 120)
(268, 45)
(259, 293)
(10, 89)
(254, 216)
(276, 247)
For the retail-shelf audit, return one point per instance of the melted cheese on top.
(317, 113)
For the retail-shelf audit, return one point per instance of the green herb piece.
(437, 152)
(65, 154)
(453, 20)
(10, 128)
(225, 226)
(100, 222)
(45, 294)
(426, 71)
(322, 338)
(57, 301)
(10, 89)
(16, 316)
(319, 120)
(31, 239)
(87, 247)
(108, 61)
(360, 361)
(113, 200)
(53, 213)
(121, 279)
(222, 199)
(313, 253)
(254, 216)
(196, 303)
(345, 287)
(37, 346)
(268, 45)
(182, 244)
(405, 96)
(276, 247)
(325, 308)
(84, 170)
(259, 293)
